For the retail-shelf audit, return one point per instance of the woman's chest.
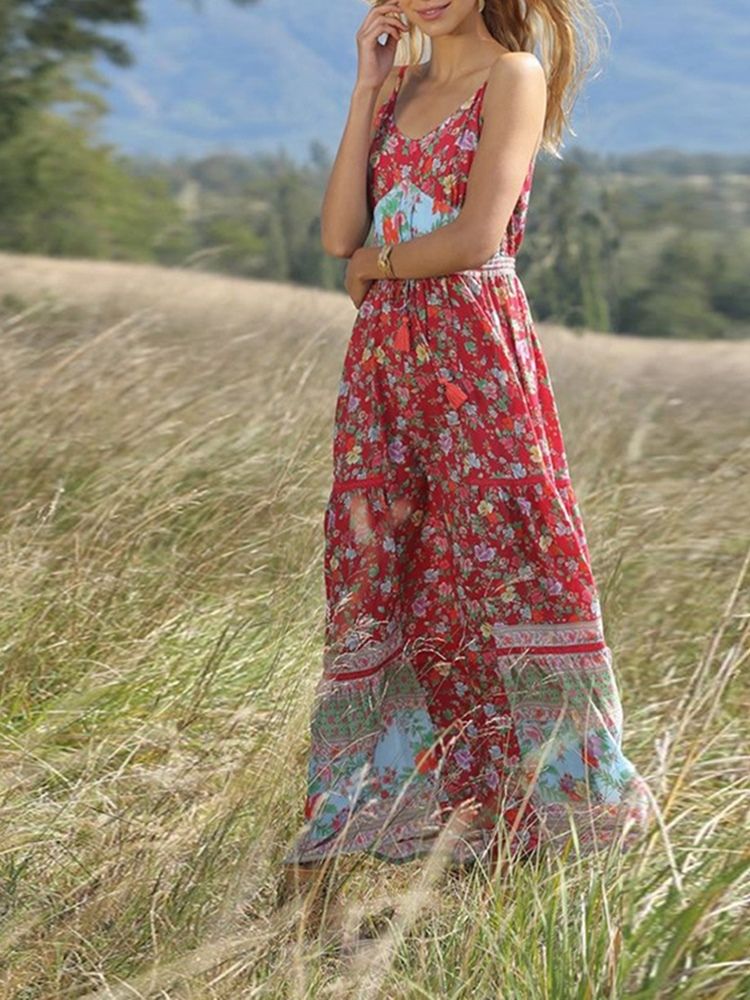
(416, 185)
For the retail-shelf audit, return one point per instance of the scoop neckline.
(454, 114)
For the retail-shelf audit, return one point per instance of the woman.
(466, 675)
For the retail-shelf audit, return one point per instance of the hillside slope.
(166, 465)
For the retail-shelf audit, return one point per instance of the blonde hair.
(566, 36)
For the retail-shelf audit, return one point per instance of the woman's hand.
(356, 286)
(375, 61)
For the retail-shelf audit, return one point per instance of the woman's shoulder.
(515, 66)
(516, 89)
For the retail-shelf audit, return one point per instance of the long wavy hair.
(567, 36)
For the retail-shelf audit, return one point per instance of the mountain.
(279, 74)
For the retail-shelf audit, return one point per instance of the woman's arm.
(345, 216)
(514, 109)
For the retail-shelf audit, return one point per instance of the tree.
(38, 38)
(677, 303)
(64, 196)
(592, 266)
(561, 284)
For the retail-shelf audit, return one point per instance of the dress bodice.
(416, 185)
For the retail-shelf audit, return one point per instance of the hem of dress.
(598, 830)
(548, 848)
(465, 850)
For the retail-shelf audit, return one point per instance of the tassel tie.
(402, 342)
(454, 393)
(402, 337)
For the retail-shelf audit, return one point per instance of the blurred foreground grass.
(166, 463)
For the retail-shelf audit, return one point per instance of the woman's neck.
(458, 54)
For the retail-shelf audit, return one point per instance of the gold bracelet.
(382, 259)
(389, 262)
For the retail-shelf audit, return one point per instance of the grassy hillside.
(165, 470)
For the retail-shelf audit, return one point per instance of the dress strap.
(399, 80)
(478, 100)
(385, 111)
(389, 106)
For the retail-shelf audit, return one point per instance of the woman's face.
(438, 17)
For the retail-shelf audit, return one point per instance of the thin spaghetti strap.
(390, 104)
(399, 80)
(476, 103)
(385, 110)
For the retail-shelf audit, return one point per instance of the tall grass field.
(166, 461)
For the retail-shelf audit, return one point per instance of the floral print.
(465, 660)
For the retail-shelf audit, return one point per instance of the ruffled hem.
(383, 781)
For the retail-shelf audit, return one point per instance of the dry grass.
(166, 461)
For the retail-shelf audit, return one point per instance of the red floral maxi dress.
(465, 660)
